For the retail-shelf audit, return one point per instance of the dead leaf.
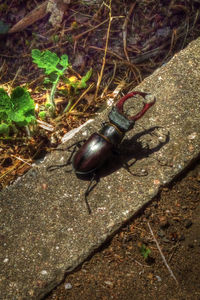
(35, 15)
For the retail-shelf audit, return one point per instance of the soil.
(119, 269)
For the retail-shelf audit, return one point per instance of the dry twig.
(161, 253)
(82, 95)
(35, 15)
(21, 159)
(76, 37)
(110, 81)
(124, 30)
(105, 52)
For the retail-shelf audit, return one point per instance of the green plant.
(42, 115)
(145, 251)
(51, 63)
(69, 38)
(78, 84)
(55, 38)
(16, 110)
(55, 67)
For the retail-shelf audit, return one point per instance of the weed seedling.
(55, 68)
(51, 64)
(145, 251)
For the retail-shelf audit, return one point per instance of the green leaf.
(47, 80)
(48, 105)
(55, 38)
(85, 78)
(87, 75)
(145, 251)
(46, 60)
(22, 100)
(42, 115)
(23, 107)
(5, 105)
(5, 102)
(64, 61)
(15, 110)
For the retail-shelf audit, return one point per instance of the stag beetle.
(98, 148)
(93, 153)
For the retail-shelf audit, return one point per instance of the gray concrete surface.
(45, 227)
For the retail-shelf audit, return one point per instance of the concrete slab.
(45, 227)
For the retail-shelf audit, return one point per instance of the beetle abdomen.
(92, 154)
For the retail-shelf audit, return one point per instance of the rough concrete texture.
(46, 230)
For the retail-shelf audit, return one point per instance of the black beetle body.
(99, 147)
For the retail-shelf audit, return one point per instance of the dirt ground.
(119, 270)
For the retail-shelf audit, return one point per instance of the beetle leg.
(54, 167)
(90, 187)
(142, 173)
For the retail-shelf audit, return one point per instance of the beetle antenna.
(54, 167)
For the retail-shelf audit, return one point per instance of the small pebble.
(165, 240)
(184, 207)
(192, 136)
(158, 278)
(163, 222)
(161, 233)
(68, 286)
(181, 238)
(109, 283)
(44, 272)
